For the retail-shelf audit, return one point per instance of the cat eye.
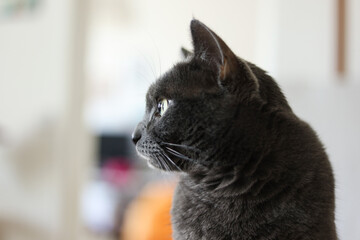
(163, 106)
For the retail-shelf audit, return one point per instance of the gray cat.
(250, 168)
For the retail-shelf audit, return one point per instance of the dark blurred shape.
(114, 147)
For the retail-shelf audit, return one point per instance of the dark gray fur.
(250, 168)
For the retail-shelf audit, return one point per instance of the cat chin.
(150, 165)
(148, 160)
(153, 164)
(143, 156)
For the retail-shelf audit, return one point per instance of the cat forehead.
(183, 81)
(163, 87)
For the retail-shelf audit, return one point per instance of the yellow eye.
(163, 106)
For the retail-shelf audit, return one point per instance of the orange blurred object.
(148, 216)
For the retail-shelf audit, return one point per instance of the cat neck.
(226, 181)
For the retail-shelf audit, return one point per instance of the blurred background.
(73, 78)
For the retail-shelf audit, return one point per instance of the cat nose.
(136, 135)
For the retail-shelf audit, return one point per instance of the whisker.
(177, 154)
(167, 164)
(148, 63)
(167, 167)
(157, 50)
(180, 145)
(159, 159)
(171, 161)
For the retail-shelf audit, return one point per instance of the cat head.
(206, 111)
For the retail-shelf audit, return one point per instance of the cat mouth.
(159, 160)
(167, 156)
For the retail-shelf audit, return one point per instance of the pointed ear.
(186, 53)
(211, 48)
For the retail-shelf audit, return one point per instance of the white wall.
(33, 84)
(306, 47)
(33, 69)
(42, 143)
(353, 40)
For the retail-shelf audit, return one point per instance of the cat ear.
(211, 48)
(186, 53)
